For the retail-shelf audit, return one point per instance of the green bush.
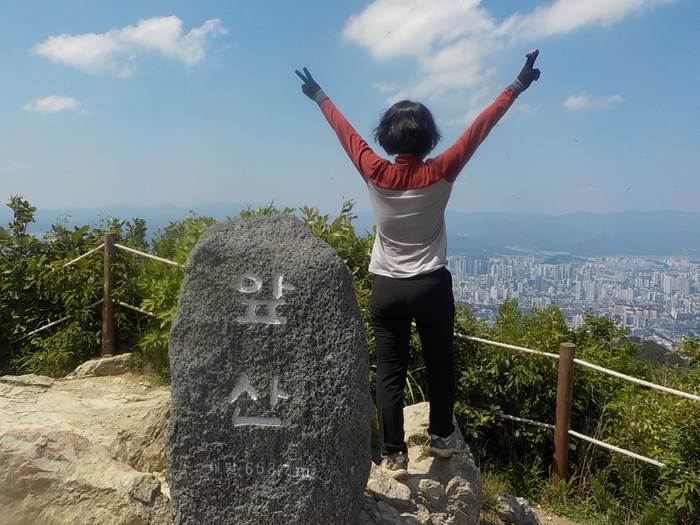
(657, 425)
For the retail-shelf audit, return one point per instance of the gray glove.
(527, 74)
(310, 87)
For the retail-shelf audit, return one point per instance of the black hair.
(407, 127)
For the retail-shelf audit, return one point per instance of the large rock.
(121, 413)
(32, 381)
(71, 451)
(269, 419)
(436, 492)
(143, 447)
(448, 491)
(103, 366)
(515, 511)
(48, 477)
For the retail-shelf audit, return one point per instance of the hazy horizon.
(633, 233)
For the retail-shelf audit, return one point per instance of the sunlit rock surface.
(82, 450)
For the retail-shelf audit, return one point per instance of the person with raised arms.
(409, 256)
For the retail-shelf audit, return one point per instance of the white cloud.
(51, 104)
(450, 39)
(390, 28)
(384, 87)
(584, 101)
(115, 50)
(447, 38)
(563, 16)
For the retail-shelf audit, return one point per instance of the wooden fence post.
(565, 388)
(107, 347)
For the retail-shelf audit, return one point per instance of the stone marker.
(269, 420)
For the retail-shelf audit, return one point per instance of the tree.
(23, 214)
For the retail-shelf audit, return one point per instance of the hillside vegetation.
(35, 289)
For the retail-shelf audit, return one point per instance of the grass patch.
(562, 499)
(492, 486)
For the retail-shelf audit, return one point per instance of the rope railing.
(63, 319)
(548, 426)
(121, 247)
(80, 257)
(110, 240)
(637, 381)
(47, 326)
(586, 364)
(148, 255)
(510, 347)
(136, 309)
(589, 439)
(581, 362)
(619, 450)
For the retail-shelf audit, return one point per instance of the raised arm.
(452, 160)
(368, 163)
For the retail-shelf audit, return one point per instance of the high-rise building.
(578, 321)
(590, 288)
(667, 284)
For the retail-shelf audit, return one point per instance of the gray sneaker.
(444, 447)
(395, 465)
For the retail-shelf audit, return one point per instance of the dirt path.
(547, 518)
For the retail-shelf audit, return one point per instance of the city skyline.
(655, 298)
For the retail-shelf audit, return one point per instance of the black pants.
(396, 302)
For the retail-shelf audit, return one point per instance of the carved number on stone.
(243, 386)
(263, 311)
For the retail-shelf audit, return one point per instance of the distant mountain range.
(473, 234)
(583, 234)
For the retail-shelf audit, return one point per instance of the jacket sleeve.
(368, 163)
(452, 160)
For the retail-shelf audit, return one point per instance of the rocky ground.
(88, 449)
(436, 492)
(548, 518)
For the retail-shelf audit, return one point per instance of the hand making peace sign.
(310, 87)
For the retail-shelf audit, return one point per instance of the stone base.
(436, 492)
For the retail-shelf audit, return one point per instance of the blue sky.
(175, 103)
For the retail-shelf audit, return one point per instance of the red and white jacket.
(409, 196)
